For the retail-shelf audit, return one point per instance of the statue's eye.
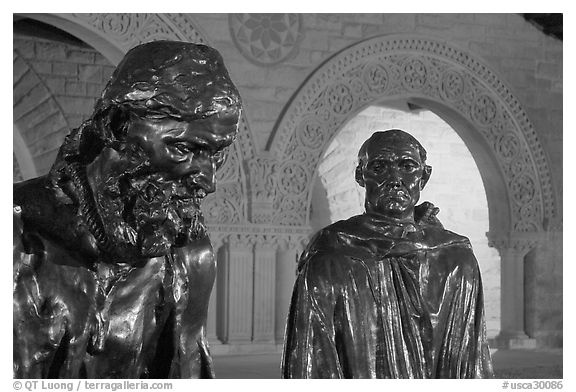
(376, 166)
(408, 165)
(180, 148)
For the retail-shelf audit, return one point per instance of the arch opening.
(444, 78)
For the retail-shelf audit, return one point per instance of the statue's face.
(186, 153)
(393, 176)
(151, 189)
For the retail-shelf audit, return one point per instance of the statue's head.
(153, 145)
(392, 168)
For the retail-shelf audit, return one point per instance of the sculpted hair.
(160, 79)
(389, 136)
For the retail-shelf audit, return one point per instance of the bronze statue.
(113, 267)
(389, 293)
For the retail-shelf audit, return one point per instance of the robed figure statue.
(113, 266)
(389, 293)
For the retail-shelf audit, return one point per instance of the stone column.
(512, 331)
(211, 319)
(240, 289)
(211, 334)
(286, 264)
(264, 289)
(262, 171)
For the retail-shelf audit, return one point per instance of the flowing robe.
(376, 300)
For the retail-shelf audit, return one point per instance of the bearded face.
(393, 174)
(148, 190)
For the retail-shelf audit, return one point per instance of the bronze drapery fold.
(376, 300)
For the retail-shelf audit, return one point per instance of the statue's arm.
(310, 348)
(459, 304)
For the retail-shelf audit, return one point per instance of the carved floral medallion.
(266, 39)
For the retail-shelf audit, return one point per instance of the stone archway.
(23, 162)
(468, 95)
(37, 117)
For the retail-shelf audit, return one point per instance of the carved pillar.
(512, 331)
(240, 289)
(286, 265)
(211, 320)
(264, 289)
(222, 293)
(262, 170)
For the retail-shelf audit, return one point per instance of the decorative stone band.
(518, 242)
(261, 236)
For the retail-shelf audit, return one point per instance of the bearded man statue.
(113, 267)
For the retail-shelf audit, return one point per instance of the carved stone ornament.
(131, 29)
(411, 67)
(263, 177)
(519, 243)
(260, 236)
(266, 39)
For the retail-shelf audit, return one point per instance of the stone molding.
(259, 236)
(410, 67)
(517, 242)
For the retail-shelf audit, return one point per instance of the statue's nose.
(203, 176)
(392, 179)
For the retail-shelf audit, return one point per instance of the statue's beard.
(144, 217)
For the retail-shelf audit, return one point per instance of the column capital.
(516, 242)
(263, 172)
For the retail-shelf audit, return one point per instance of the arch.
(39, 122)
(432, 74)
(22, 156)
(113, 35)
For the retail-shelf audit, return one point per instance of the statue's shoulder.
(24, 195)
(336, 237)
(335, 246)
(31, 194)
(451, 252)
(40, 215)
(438, 236)
(18, 227)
